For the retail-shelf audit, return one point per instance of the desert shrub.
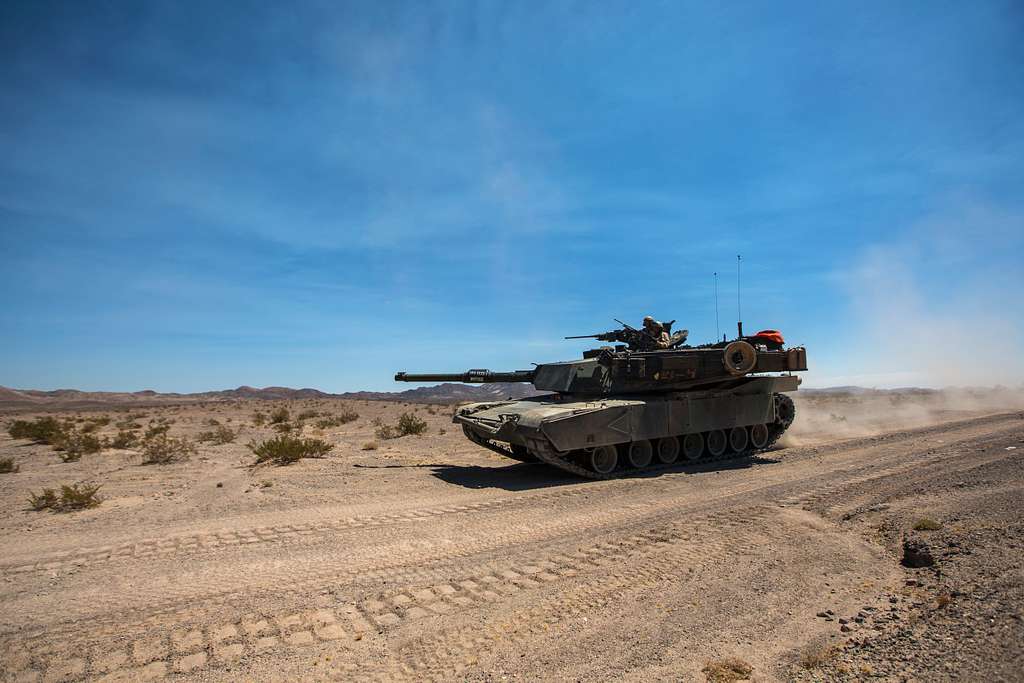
(7, 466)
(74, 444)
(816, 657)
(47, 498)
(258, 419)
(727, 670)
(89, 427)
(73, 497)
(408, 423)
(341, 418)
(279, 415)
(220, 435)
(286, 427)
(411, 424)
(124, 439)
(43, 430)
(128, 423)
(927, 524)
(156, 431)
(377, 422)
(211, 422)
(442, 431)
(307, 415)
(286, 449)
(163, 450)
(370, 446)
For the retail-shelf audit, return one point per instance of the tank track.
(503, 449)
(785, 412)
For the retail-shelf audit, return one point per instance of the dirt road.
(432, 559)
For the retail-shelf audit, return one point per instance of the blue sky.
(201, 195)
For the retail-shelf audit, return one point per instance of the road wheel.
(738, 439)
(759, 436)
(603, 459)
(716, 442)
(668, 450)
(693, 446)
(640, 454)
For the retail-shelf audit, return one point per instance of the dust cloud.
(932, 315)
(844, 414)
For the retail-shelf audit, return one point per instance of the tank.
(631, 407)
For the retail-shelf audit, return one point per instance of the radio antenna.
(739, 311)
(718, 329)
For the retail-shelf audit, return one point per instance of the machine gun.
(636, 340)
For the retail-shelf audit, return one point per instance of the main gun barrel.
(469, 377)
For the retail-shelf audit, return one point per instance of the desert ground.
(428, 558)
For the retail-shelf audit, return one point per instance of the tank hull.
(751, 413)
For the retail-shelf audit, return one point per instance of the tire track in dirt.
(304, 627)
(226, 585)
(309, 532)
(190, 648)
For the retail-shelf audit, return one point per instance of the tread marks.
(190, 648)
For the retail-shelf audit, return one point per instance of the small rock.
(916, 553)
(220, 484)
(845, 628)
(844, 620)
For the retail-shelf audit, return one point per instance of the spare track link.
(784, 418)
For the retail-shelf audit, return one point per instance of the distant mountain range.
(441, 393)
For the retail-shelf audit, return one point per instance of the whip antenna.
(739, 311)
(718, 329)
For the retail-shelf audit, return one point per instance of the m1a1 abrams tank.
(631, 407)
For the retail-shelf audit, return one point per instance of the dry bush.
(410, 424)
(279, 415)
(286, 427)
(341, 418)
(8, 466)
(156, 431)
(286, 449)
(307, 415)
(727, 670)
(124, 439)
(163, 450)
(927, 524)
(47, 498)
(258, 419)
(370, 446)
(74, 444)
(816, 657)
(44, 430)
(73, 497)
(211, 422)
(219, 436)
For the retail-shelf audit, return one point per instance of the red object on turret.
(772, 336)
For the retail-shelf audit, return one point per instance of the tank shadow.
(529, 476)
(512, 477)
